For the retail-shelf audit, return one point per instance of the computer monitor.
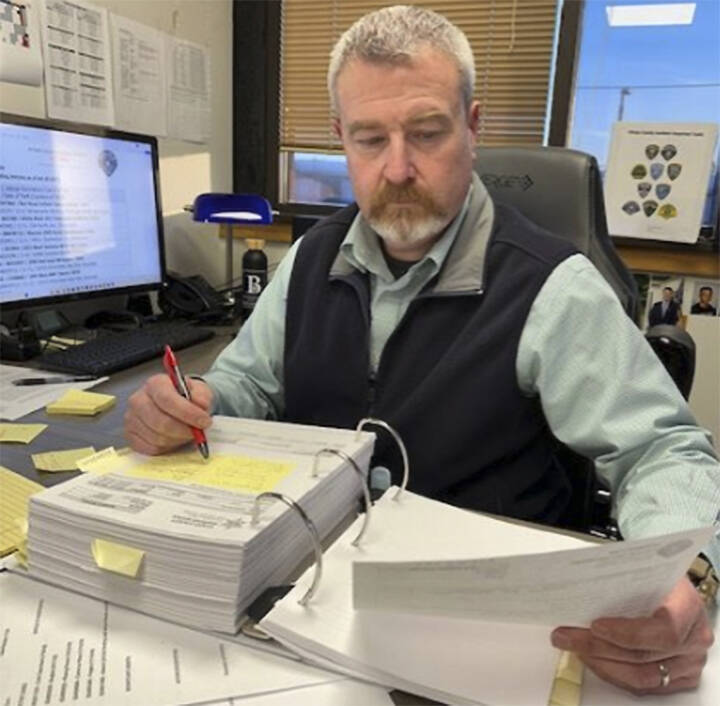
(80, 212)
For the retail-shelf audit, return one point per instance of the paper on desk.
(14, 494)
(103, 461)
(568, 587)
(80, 402)
(346, 692)
(65, 460)
(17, 401)
(20, 433)
(231, 472)
(116, 657)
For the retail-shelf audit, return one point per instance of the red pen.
(173, 370)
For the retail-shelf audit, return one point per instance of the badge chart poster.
(657, 179)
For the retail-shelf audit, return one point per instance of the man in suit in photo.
(666, 311)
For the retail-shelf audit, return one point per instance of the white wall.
(186, 169)
(705, 392)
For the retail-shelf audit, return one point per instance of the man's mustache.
(394, 194)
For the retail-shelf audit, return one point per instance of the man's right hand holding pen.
(159, 419)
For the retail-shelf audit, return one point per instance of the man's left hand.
(635, 653)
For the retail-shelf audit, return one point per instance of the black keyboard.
(116, 351)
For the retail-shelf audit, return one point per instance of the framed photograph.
(665, 294)
(703, 297)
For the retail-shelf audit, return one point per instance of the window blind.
(512, 41)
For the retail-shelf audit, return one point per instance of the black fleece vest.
(446, 379)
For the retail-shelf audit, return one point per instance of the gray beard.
(403, 231)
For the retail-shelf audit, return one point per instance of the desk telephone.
(193, 297)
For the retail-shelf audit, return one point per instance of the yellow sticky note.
(118, 558)
(567, 686)
(66, 460)
(21, 433)
(81, 402)
(15, 491)
(101, 462)
(230, 472)
(22, 553)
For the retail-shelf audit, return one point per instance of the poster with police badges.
(657, 179)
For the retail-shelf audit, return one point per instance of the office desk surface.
(105, 429)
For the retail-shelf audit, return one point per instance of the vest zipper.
(372, 392)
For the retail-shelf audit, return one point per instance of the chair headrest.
(536, 180)
(560, 190)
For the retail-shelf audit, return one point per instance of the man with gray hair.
(481, 338)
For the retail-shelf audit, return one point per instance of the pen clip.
(170, 365)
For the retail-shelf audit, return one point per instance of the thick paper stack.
(173, 536)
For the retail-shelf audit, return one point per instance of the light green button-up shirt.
(603, 391)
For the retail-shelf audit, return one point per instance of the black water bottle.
(254, 275)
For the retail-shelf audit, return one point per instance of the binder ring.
(398, 441)
(363, 482)
(317, 547)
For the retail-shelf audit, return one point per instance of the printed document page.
(572, 587)
(76, 46)
(188, 67)
(60, 647)
(139, 76)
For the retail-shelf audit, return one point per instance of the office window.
(654, 62)
(513, 42)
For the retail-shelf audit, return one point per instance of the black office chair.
(676, 350)
(560, 190)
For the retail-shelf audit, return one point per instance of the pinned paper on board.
(118, 558)
(20, 433)
(657, 179)
(20, 55)
(230, 472)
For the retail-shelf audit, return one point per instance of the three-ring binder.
(401, 445)
(363, 481)
(315, 537)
